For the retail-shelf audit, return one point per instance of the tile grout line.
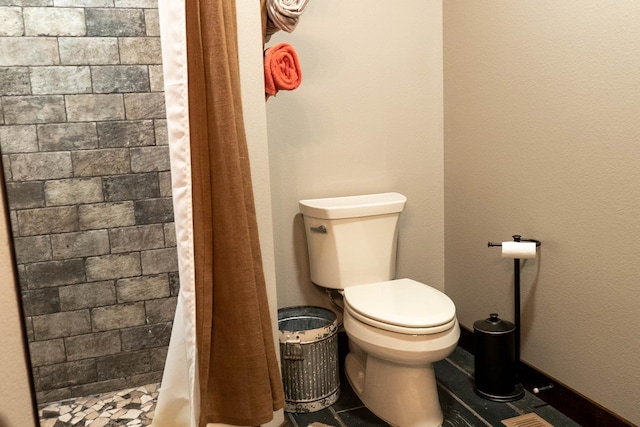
(347, 410)
(337, 417)
(516, 409)
(293, 420)
(464, 404)
(460, 368)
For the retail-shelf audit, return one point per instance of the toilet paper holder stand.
(517, 238)
(516, 291)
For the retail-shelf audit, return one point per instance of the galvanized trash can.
(309, 357)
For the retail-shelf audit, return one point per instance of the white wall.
(16, 405)
(542, 101)
(367, 118)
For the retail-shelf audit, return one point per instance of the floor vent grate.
(528, 420)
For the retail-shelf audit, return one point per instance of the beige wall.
(367, 118)
(15, 396)
(542, 107)
(254, 113)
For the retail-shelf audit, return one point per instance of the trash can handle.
(293, 349)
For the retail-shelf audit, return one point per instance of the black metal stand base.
(517, 394)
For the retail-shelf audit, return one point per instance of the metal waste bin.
(309, 357)
(495, 362)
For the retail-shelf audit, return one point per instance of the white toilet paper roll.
(518, 250)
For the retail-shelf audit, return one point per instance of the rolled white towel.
(284, 14)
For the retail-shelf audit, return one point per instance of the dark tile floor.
(460, 404)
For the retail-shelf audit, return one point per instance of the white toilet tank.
(352, 240)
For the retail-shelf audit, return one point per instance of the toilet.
(397, 328)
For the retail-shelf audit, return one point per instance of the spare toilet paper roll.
(518, 249)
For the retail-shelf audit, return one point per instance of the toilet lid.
(402, 302)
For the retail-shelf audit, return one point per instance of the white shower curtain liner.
(179, 400)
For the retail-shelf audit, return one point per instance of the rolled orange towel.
(281, 69)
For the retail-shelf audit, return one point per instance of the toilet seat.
(403, 306)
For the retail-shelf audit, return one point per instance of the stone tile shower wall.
(86, 165)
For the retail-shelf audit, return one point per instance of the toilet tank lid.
(353, 206)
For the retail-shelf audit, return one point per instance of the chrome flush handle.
(320, 229)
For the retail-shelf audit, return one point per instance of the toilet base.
(402, 395)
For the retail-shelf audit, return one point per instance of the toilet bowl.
(390, 364)
(396, 328)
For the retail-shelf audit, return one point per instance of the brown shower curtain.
(238, 371)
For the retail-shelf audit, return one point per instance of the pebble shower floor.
(130, 407)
